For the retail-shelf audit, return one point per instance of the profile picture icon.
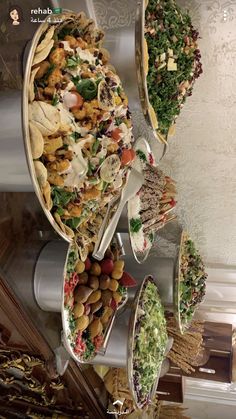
(15, 15)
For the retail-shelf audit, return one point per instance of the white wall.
(207, 410)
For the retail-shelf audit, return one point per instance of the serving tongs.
(133, 185)
(103, 348)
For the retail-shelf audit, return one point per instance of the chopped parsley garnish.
(151, 237)
(60, 211)
(135, 225)
(95, 147)
(141, 155)
(101, 160)
(118, 120)
(104, 186)
(72, 258)
(72, 324)
(73, 223)
(73, 62)
(61, 197)
(119, 90)
(75, 135)
(90, 348)
(55, 100)
(91, 168)
(122, 290)
(76, 79)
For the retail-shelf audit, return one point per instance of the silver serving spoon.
(133, 185)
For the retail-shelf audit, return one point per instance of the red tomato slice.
(128, 156)
(115, 134)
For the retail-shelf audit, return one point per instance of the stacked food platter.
(86, 165)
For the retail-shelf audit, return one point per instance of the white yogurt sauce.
(85, 55)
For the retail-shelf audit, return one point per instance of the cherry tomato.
(128, 156)
(80, 101)
(98, 341)
(115, 134)
(73, 100)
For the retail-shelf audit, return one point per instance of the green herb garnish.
(73, 223)
(76, 79)
(141, 155)
(122, 290)
(118, 120)
(73, 62)
(72, 258)
(170, 36)
(75, 135)
(60, 211)
(151, 237)
(192, 281)
(61, 197)
(101, 160)
(105, 186)
(90, 349)
(135, 225)
(95, 147)
(55, 100)
(72, 324)
(87, 88)
(119, 90)
(91, 168)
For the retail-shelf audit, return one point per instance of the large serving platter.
(131, 343)
(141, 68)
(49, 290)
(140, 256)
(182, 326)
(116, 144)
(25, 126)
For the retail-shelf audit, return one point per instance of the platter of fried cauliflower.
(79, 128)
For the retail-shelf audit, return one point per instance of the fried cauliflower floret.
(43, 68)
(67, 154)
(55, 77)
(49, 157)
(112, 148)
(86, 74)
(81, 43)
(49, 91)
(58, 165)
(52, 144)
(55, 179)
(57, 57)
(92, 193)
(79, 114)
(74, 210)
(72, 41)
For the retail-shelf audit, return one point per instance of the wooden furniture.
(171, 387)
(218, 345)
(28, 336)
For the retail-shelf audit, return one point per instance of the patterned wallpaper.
(202, 155)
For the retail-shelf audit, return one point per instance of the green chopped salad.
(192, 281)
(150, 341)
(174, 59)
